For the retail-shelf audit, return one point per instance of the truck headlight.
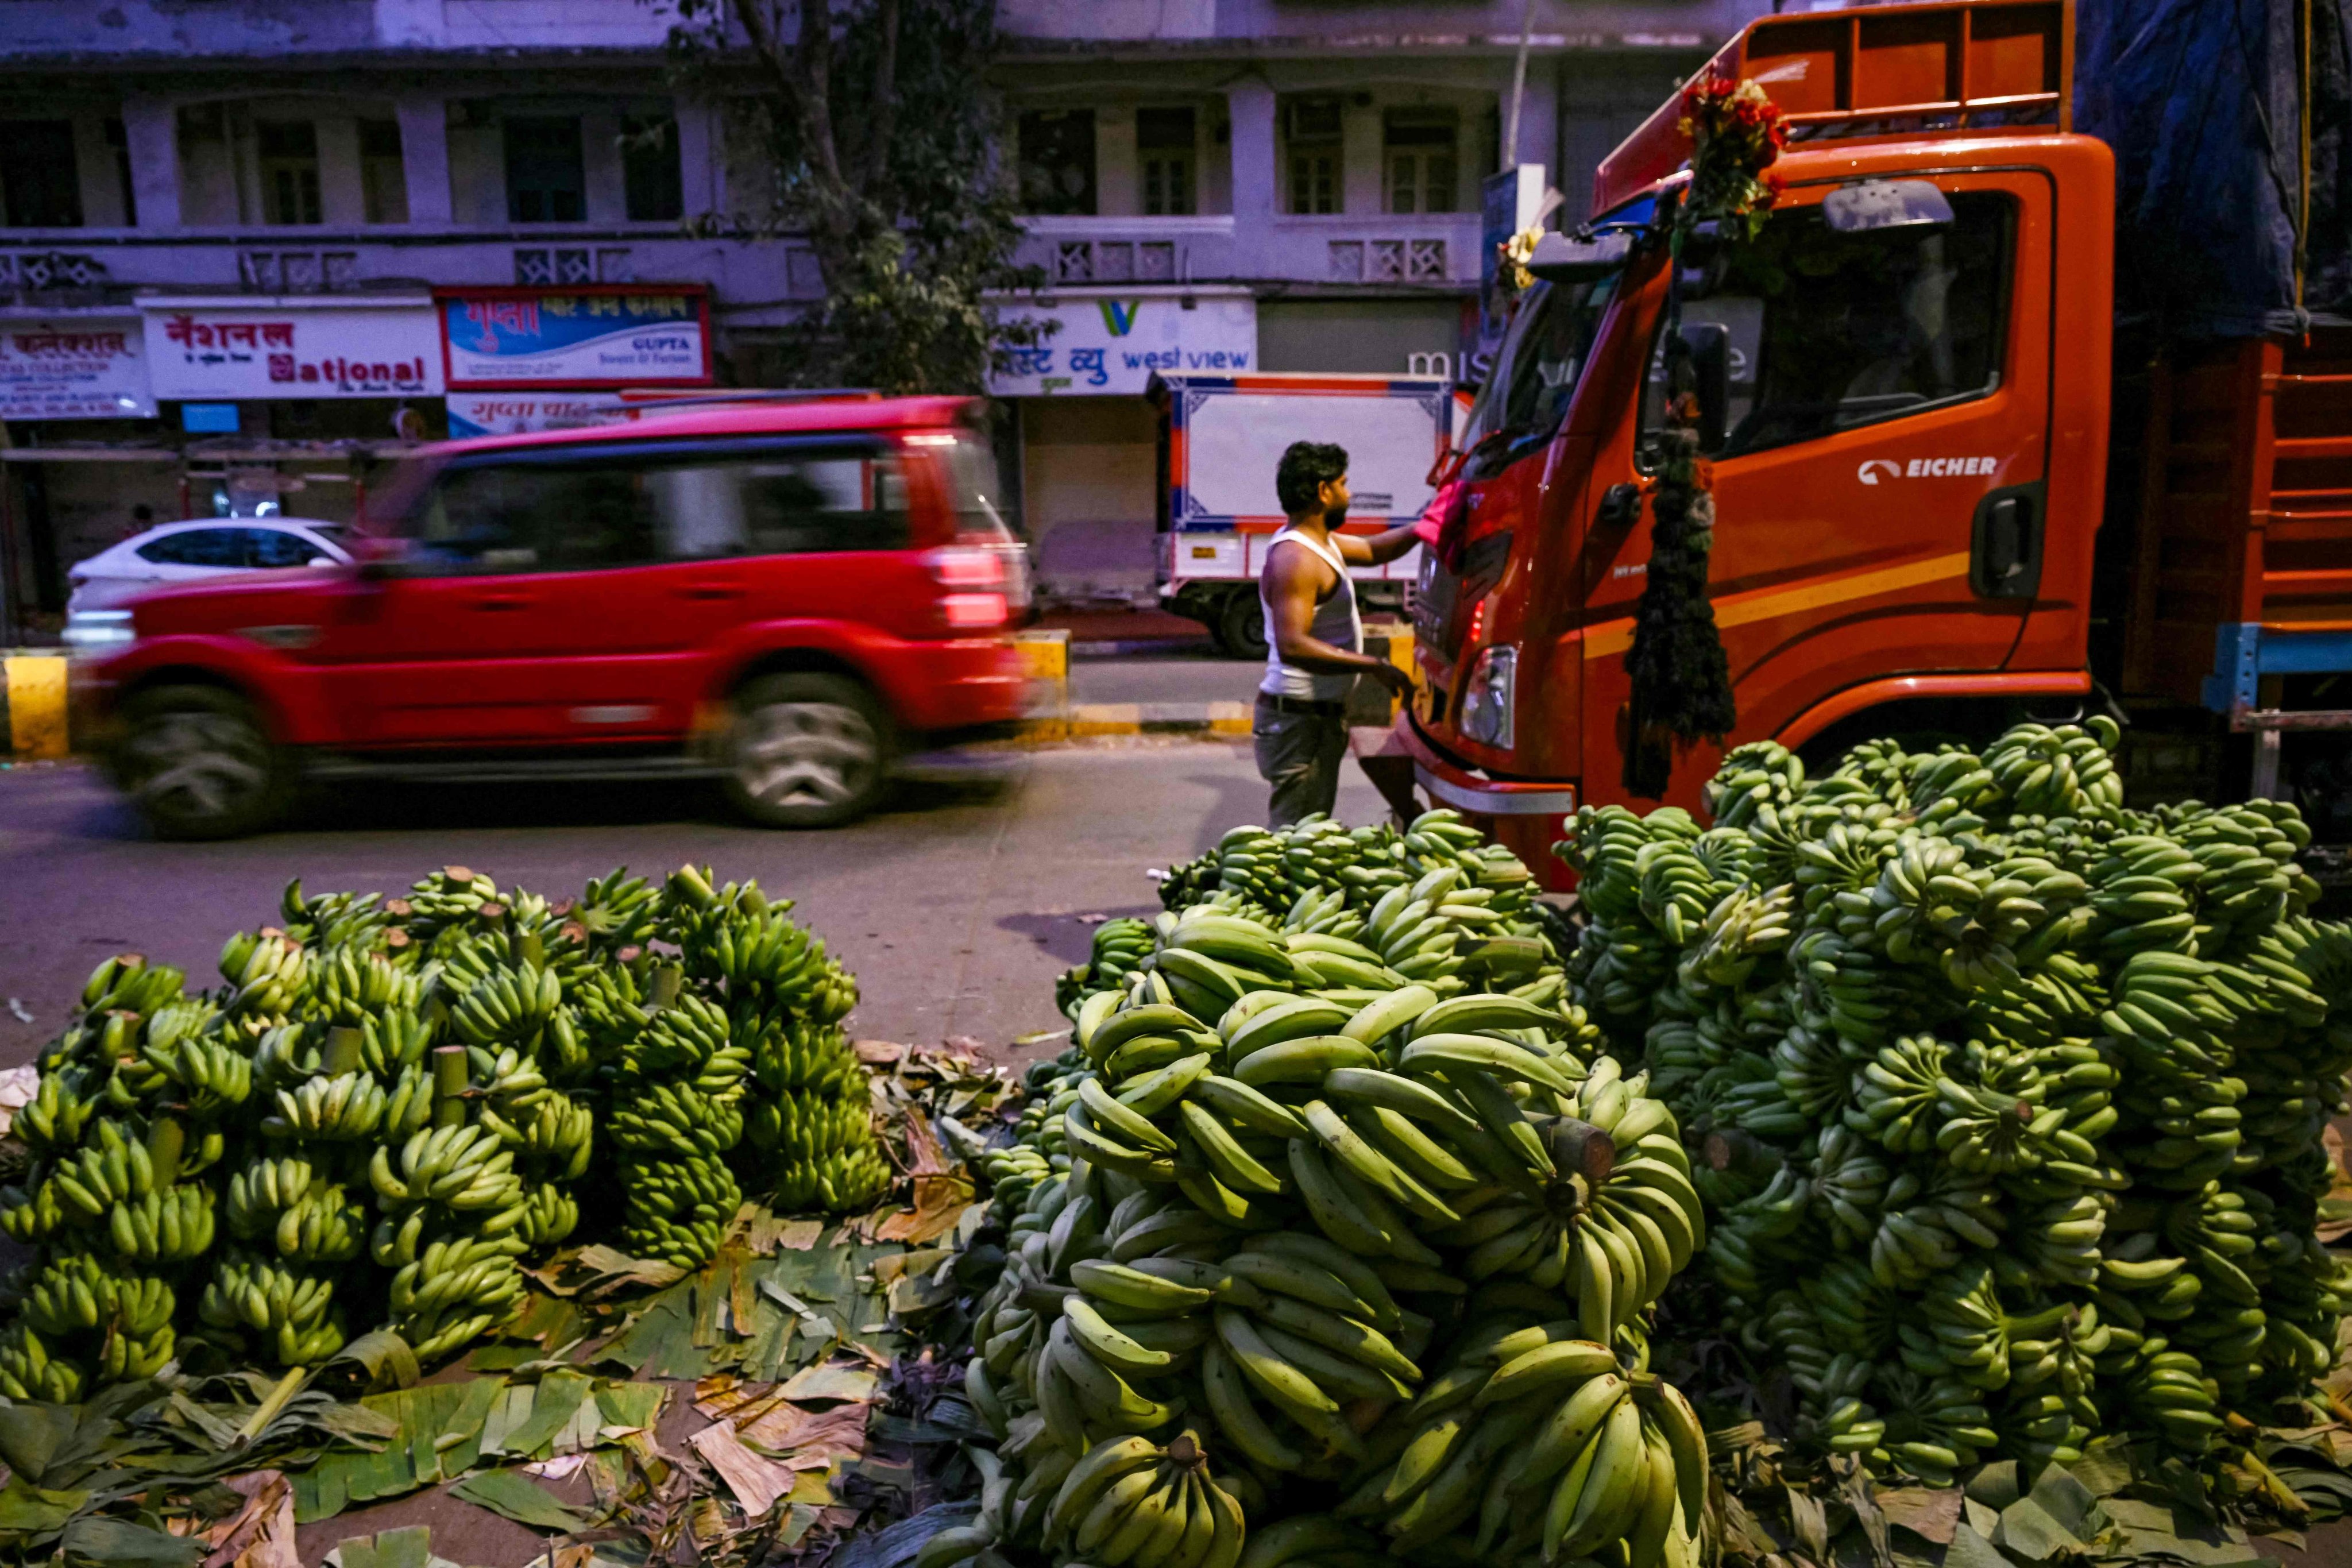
(1486, 697)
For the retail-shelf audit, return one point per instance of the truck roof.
(1940, 69)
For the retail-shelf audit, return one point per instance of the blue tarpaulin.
(2202, 102)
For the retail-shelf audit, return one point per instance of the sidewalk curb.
(1093, 721)
(33, 697)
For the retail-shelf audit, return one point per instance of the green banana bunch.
(456, 1290)
(30, 1371)
(348, 1108)
(163, 1225)
(1128, 1502)
(351, 986)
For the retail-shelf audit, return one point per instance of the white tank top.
(1335, 622)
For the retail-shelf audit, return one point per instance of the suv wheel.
(196, 762)
(807, 751)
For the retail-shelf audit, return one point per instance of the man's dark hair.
(143, 512)
(1305, 469)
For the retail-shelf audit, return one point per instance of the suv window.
(617, 508)
(1830, 331)
(1537, 369)
(273, 548)
(535, 517)
(785, 501)
(197, 547)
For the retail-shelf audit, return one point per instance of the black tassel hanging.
(1681, 679)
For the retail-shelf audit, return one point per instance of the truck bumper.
(1473, 793)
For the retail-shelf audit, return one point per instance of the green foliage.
(885, 145)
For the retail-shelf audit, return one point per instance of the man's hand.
(1400, 684)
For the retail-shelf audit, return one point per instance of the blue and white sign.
(607, 336)
(1112, 345)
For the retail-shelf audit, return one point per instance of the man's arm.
(1374, 549)
(1293, 579)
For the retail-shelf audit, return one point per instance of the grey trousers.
(1299, 754)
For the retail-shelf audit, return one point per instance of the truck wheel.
(1241, 625)
(807, 751)
(196, 762)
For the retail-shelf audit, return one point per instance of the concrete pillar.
(101, 191)
(1257, 189)
(1538, 115)
(701, 183)
(1362, 149)
(341, 202)
(424, 160)
(1119, 185)
(152, 127)
(607, 198)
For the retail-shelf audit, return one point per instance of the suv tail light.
(974, 581)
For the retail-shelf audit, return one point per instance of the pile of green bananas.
(1262, 873)
(389, 1103)
(1337, 1227)
(2005, 1100)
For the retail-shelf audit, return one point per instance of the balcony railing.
(1402, 250)
(93, 266)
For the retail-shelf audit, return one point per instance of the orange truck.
(1967, 468)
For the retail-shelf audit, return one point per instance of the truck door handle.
(2005, 545)
(1621, 507)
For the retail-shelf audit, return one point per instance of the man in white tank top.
(1314, 639)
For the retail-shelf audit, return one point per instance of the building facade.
(248, 254)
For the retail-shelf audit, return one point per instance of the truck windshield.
(1833, 331)
(1536, 371)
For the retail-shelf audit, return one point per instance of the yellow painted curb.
(36, 706)
(1044, 654)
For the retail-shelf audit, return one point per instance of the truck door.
(1879, 481)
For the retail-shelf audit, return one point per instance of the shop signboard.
(609, 335)
(1112, 345)
(517, 413)
(74, 367)
(202, 348)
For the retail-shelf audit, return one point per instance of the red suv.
(785, 594)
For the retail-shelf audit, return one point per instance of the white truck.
(1221, 437)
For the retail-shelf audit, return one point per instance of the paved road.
(955, 909)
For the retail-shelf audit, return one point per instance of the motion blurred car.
(187, 551)
(792, 597)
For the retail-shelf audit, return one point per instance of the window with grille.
(287, 153)
(1312, 130)
(1057, 161)
(650, 169)
(38, 184)
(546, 179)
(1166, 145)
(383, 178)
(1420, 149)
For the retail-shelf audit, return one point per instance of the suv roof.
(749, 417)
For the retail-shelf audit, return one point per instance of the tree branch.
(885, 99)
(814, 57)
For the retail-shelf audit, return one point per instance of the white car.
(184, 552)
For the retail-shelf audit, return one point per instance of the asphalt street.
(955, 907)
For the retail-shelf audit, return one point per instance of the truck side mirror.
(1710, 359)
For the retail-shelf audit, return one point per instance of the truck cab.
(1906, 431)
